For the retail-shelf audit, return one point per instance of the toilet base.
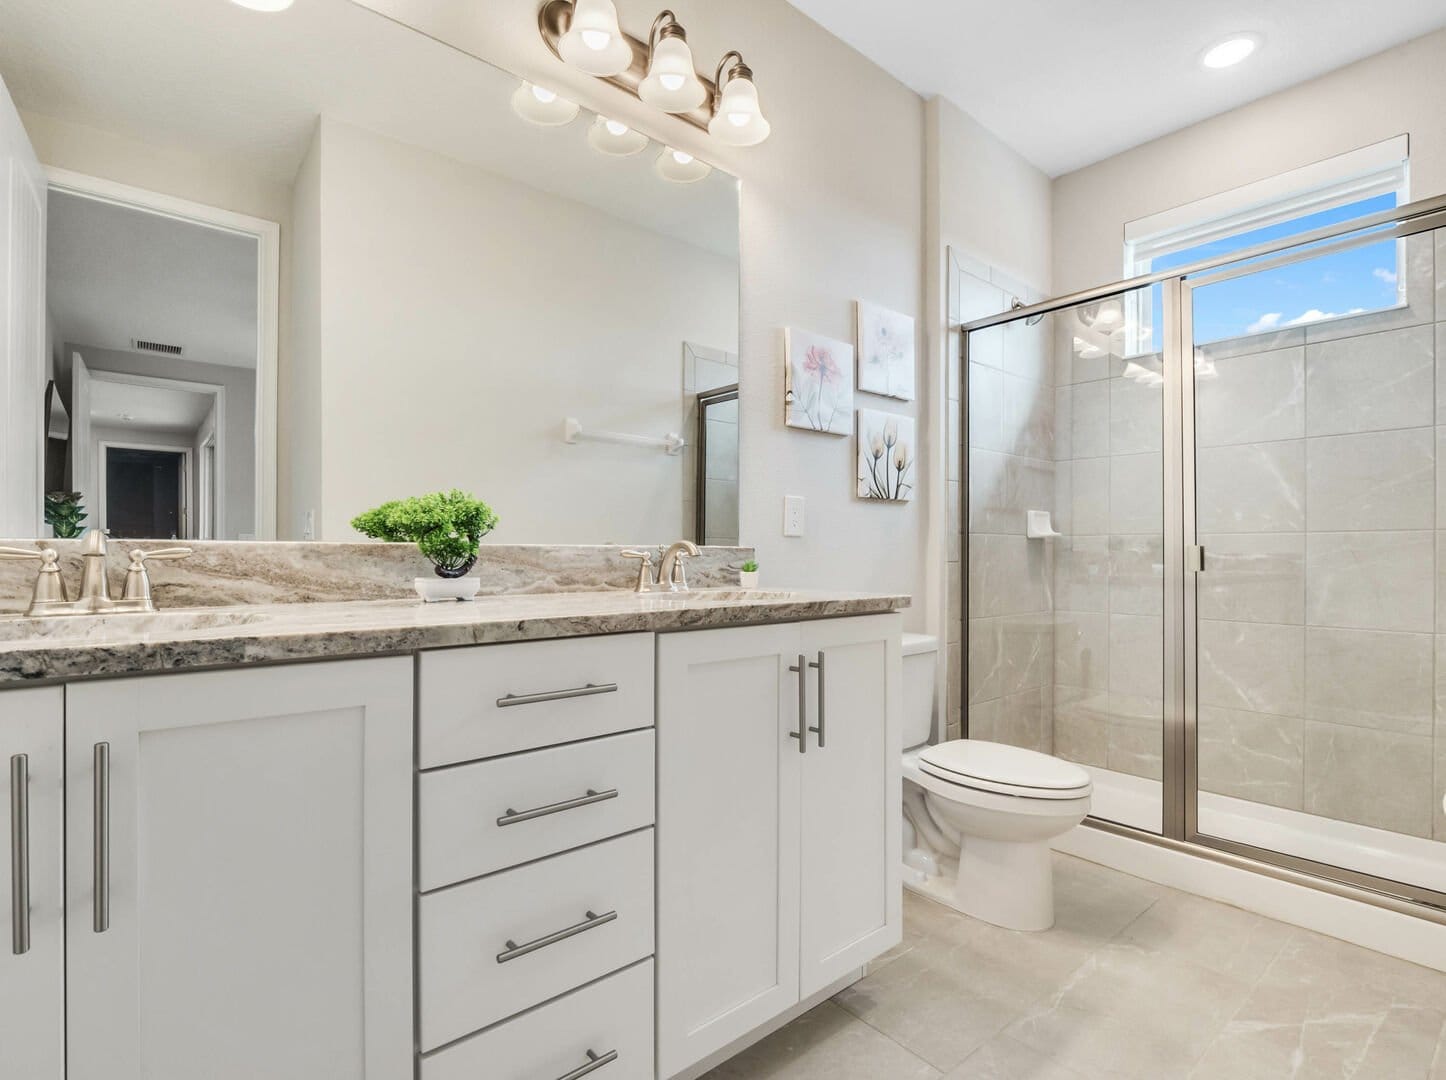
(1006, 882)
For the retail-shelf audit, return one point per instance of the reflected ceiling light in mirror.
(737, 116)
(680, 167)
(594, 42)
(671, 83)
(615, 138)
(264, 5)
(1230, 51)
(539, 105)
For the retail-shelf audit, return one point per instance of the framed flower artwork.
(887, 470)
(818, 382)
(886, 352)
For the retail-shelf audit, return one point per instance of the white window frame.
(1379, 169)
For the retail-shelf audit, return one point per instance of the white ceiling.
(114, 274)
(245, 89)
(152, 408)
(1070, 82)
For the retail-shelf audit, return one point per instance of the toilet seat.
(1004, 770)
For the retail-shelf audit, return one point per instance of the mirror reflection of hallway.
(145, 492)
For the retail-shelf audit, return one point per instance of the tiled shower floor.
(1135, 981)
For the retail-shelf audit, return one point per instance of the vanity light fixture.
(594, 42)
(737, 117)
(615, 138)
(671, 83)
(680, 167)
(539, 105)
(264, 5)
(660, 71)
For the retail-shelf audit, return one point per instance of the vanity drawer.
(612, 1019)
(490, 815)
(498, 699)
(465, 929)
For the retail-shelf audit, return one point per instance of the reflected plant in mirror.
(64, 514)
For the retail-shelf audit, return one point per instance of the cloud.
(1380, 273)
(1316, 315)
(1268, 321)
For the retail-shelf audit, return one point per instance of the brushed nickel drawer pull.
(514, 950)
(594, 1062)
(819, 730)
(557, 695)
(100, 825)
(512, 817)
(803, 729)
(20, 854)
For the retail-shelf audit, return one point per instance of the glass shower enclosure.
(1235, 612)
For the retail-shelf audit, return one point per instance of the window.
(1341, 189)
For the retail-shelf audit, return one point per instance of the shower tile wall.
(1011, 470)
(1322, 510)
(1109, 574)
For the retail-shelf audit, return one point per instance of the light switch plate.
(793, 515)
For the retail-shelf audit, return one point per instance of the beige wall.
(300, 420)
(832, 211)
(463, 316)
(1400, 90)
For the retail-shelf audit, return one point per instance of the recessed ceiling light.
(264, 5)
(1231, 51)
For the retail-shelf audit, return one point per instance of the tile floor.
(1135, 981)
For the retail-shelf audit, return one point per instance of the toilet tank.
(921, 658)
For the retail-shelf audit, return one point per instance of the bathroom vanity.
(535, 836)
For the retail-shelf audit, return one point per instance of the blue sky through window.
(1342, 283)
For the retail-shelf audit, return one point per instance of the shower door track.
(1180, 781)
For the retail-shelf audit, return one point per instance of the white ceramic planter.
(748, 579)
(435, 589)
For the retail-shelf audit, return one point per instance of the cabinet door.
(728, 790)
(32, 946)
(850, 900)
(239, 874)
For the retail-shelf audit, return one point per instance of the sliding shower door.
(1314, 634)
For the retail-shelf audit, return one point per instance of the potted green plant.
(64, 514)
(748, 575)
(446, 526)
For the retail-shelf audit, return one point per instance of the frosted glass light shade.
(539, 105)
(738, 119)
(680, 167)
(671, 83)
(615, 138)
(594, 42)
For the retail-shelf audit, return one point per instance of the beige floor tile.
(928, 1005)
(1004, 1059)
(825, 1044)
(1215, 936)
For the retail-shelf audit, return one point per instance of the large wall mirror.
(269, 270)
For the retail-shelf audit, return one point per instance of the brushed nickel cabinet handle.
(512, 817)
(557, 695)
(514, 950)
(101, 840)
(20, 854)
(801, 734)
(819, 730)
(594, 1062)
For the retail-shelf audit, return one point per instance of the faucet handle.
(138, 579)
(49, 585)
(645, 568)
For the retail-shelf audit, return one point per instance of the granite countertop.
(75, 647)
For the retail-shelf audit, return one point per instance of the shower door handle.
(1195, 559)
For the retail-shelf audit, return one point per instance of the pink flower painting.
(819, 383)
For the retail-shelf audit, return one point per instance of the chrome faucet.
(49, 598)
(672, 577)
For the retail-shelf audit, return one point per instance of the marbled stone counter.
(87, 646)
(226, 573)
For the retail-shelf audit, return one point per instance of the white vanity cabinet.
(239, 874)
(778, 821)
(32, 943)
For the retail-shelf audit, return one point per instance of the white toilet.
(979, 816)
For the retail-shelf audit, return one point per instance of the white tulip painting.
(886, 448)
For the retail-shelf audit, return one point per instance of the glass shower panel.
(1066, 631)
(1315, 500)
